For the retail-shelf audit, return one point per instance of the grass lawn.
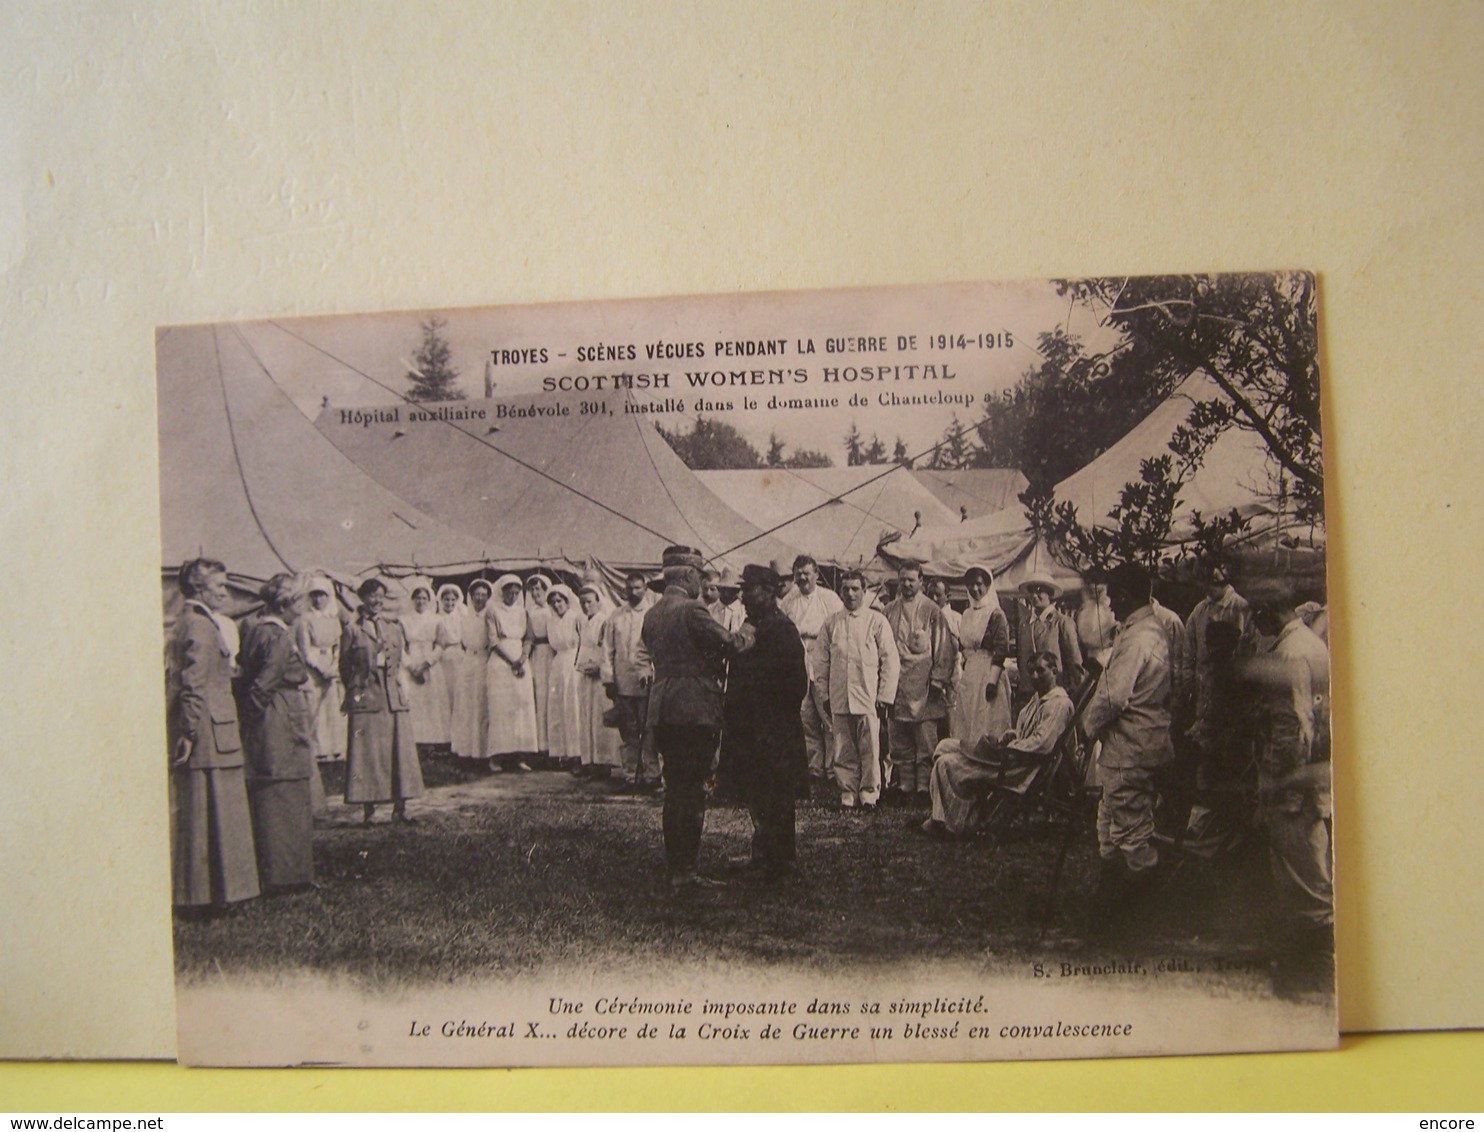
(506, 874)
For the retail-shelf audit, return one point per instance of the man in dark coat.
(763, 736)
(689, 649)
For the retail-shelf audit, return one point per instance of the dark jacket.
(274, 711)
(366, 689)
(198, 683)
(763, 738)
(689, 650)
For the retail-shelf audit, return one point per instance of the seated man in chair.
(961, 776)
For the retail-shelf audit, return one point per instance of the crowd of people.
(769, 687)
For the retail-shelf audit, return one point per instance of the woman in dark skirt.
(381, 758)
(276, 726)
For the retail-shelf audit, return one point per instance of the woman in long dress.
(427, 693)
(461, 635)
(276, 728)
(318, 634)
(476, 727)
(564, 693)
(981, 704)
(539, 659)
(449, 605)
(512, 701)
(380, 754)
(213, 862)
(600, 744)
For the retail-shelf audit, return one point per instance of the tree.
(808, 458)
(1255, 336)
(899, 454)
(432, 376)
(775, 451)
(875, 452)
(1140, 525)
(853, 445)
(711, 445)
(954, 450)
(1067, 410)
(801, 457)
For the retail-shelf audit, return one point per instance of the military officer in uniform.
(689, 650)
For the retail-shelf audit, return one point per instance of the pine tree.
(853, 445)
(774, 459)
(431, 375)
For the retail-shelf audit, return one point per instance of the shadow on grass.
(546, 871)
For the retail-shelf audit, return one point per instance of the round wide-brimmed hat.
(1039, 580)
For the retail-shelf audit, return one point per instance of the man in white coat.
(927, 663)
(858, 669)
(627, 672)
(809, 605)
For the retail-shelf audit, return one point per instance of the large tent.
(973, 491)
(537, 481)
(1237, 474)
(837, 515)
(245, 478)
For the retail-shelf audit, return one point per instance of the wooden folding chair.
(1058, 789)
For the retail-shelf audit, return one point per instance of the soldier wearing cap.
(763, 741)
(1294, 775)
(689, 650)
(1221, 603)
(1129, 711)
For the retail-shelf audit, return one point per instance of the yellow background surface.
(173, 162)
(1428, 1073)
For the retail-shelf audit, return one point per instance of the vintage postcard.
(897, 674)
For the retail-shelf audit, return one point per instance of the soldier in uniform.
(1129, 711)
(689, 650)
(1294, 781)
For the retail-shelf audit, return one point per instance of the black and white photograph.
(931, 673)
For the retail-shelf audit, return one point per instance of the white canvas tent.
(246, 471)
(245, 478)
(973, 491)
(1237, 474)
(837, 515)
